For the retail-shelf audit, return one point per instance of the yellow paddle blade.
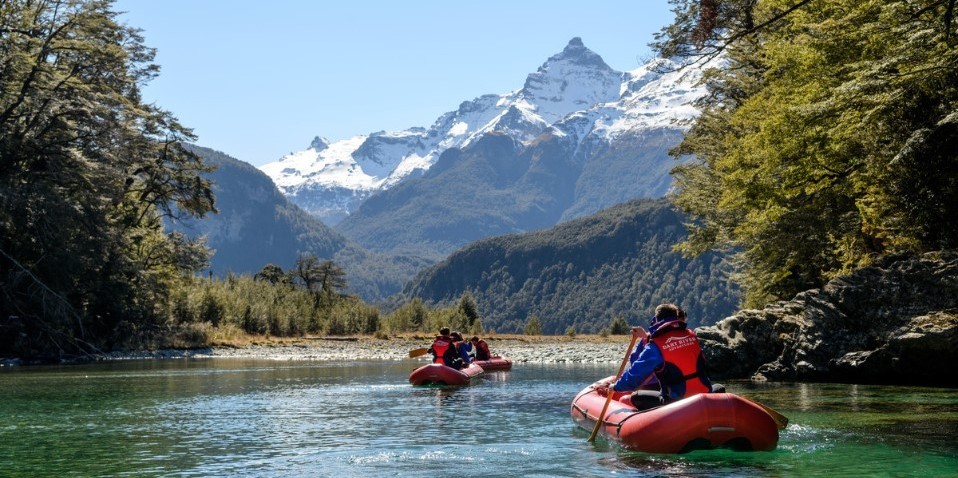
(418, 352)
(780, 419)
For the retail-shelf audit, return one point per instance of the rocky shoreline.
(894, 322)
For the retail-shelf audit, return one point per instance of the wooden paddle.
(418, 352)
(780, 420)
(608, 398)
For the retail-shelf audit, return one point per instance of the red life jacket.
(440, 346)
(683, 373)
(482, 350)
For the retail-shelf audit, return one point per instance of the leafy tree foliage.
(469, 309)
(88, 171)
(308, 271)
(619, 326)
(411, 316)
(332, 278)
(415, 315)
(533, 326)
(273, 274)
(828, 139)
(240, 304)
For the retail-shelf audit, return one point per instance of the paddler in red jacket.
(481, 348)
(671, 353)
(443, 350)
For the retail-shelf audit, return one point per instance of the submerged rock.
(893, 322)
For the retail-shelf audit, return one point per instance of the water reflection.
(853, 397)
(804, 398)
(497, 376)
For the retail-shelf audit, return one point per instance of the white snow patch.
(457, 129)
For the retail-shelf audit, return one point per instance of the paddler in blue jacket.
(669, 352)
(464, 348)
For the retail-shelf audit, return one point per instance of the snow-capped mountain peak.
(574, 92)
(573, 80)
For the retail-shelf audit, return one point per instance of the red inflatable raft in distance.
(495, 363)
(703, 421)
(439, 374)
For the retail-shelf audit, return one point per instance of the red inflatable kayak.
(495, 363)
(702, 421)
(439, 374)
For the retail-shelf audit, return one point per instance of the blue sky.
(259, 79)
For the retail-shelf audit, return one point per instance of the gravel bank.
(539, 350)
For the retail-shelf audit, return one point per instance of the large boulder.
(892, 322)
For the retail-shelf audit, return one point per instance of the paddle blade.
(418, 352)
(780, 420)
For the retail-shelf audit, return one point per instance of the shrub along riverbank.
(277, 306)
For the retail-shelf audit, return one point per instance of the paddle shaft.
(601, 417)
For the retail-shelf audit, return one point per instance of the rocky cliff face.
(893, 322)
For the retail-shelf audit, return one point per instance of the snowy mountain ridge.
(574, 93)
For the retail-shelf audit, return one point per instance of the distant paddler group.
(455, 361)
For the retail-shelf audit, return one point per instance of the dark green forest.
(585, 273)
(88, 174)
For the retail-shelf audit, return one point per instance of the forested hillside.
(256, 225)
(585, 273)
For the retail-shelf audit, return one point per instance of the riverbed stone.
(895, 321)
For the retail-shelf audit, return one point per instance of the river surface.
(242, 417)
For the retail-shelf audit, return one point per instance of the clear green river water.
(238, 417)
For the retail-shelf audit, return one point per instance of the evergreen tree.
(89, 172)
(533, 327)
(619, 326)
(476, 328)
(332, 278)
(273, 274)
(307, 270)
(418, 314)
(469, 309)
